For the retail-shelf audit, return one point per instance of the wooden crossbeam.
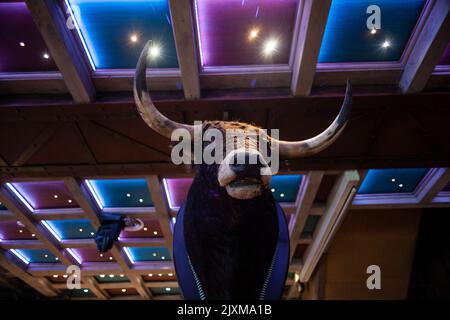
(38, 142)
(50, 20)
(185, 42)
(85, 201)
(41, 285)
(428, 48)
(312, 17)
(305, 199)
(337, 205)
(436, 180)
(22, 214)
(159, 198)
(22, 244)
(91, 284)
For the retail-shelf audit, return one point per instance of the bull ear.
(152, 117)
(297, 149)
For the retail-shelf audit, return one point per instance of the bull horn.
(152, 117)
(296, 149)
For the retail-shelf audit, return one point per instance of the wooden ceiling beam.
(183, 27)
(312, 17)
(305, 199)
(428, 47)
(49, 18)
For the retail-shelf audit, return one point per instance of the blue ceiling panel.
(140, 254)
(348, 39)
(72, 229)
(285, 187)
(392, 180)
(121, 193)
(36, 255)
(115, 31)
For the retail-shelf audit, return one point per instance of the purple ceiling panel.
(151, 229)
(237, 32)
(92, 255)
(177, 190)
(46, 194)
(22, 47)
(447, 188)
(12, 230)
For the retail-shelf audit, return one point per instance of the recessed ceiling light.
(128, 195)
(45, 255)
(141, 200)
(134, 38)
(273, 190)
(65, 276)
(373, 31)
(150, 275)
(111, 276)
(55, 196)
(21, 231)
(102, 276)
(163, 258)
(145, 229)
(92, 233)
(282, 195)
(401, 185)
(22, 44)
(110, 258)
(270, 46)
(55, 276)
(46, 56)
(155, 51)
(56, 258)
(253, 34)
(155, 232)
(124, 290)
(154, 254)
(393, 179)
(168, 289)
(386, 44)
(101, 255)
(170, 274)
(86, 290)
(69, 201)
(122, 275)
(159, 274)
(33, 235)
(81, 229)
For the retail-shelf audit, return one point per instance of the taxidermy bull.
(230, 222)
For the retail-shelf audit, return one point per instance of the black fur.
(231, 242)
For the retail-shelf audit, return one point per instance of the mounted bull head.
(232, 224)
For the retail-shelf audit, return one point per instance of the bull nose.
(242, 166)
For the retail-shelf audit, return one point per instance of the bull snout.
(246, 165)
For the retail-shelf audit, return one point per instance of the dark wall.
(430, 278)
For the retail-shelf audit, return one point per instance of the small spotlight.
(270, 47)
(46, 56)
(124, 290)
(102, 276)
(282, 195)
(159, 274)
(111, 276)
(86, 290)
(163, 258)
(141, 200)
(21, 231)
(128, 195)
(22, 44)
(170, 274)
(401, 185)
(65, 276)
(253, 34)
(92, 233)
(373, 31)
(110, 258)
(150, 275)
(134, 38)
(155, 51)
(69, 201)
(155, 233)
(45, 255)
(393, 179)
(56, 258)
(81, 229)
(386, 44)
(55, 276)
(122, 275)
(101, 255)
(33, 235)
(168, 289)
(55, 195)
(273, 190)
(145, 229)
